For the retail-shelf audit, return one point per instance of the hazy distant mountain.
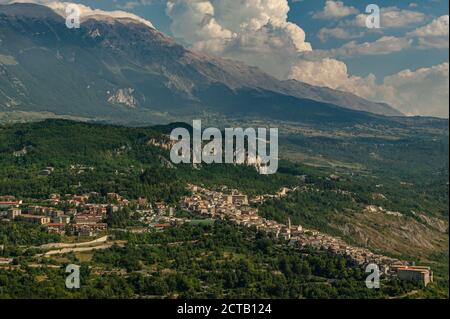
(121, 69)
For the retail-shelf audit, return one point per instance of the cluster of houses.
(156, 216)
(81, 218)
(283, 192)
(235, 207)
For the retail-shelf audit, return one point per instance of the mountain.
(122, 70)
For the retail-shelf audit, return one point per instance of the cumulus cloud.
(424, 91)
(433, 35)
(384, 45)
(341, 33)
(135, 3)
(253, 31)
(419, 92)
(328, 72)
(393, 17)
(355, 27)
(335, 9)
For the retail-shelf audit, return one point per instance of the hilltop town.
(236, 208)
(84, 216)
(81, 215)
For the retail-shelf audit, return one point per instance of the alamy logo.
(260, 152)
(73, 280)
(373, 280)
(73, 16)
(373, 20)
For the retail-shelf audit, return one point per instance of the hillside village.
(235, 207)
(77, 215)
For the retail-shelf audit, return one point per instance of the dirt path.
(80, 249)
(75, 245)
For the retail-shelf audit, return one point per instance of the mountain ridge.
(76, 72)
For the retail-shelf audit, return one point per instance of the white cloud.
(253, 31)
(341, 33)
(335, 9)
(421, 92)
(433, 35)
(384, 45)
(135, 3)
(331, 73)
(393, 17)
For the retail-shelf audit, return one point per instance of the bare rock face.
(436, 223)
(124, 97)
(95, 33)
(375, 229)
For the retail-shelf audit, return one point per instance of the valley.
(371, 206)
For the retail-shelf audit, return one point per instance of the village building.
(142, 203)
(88, 230)
(39, 220)
(61, 219)
(7, 198)
(237, 199)
(113, 196)
(10, 203)
(5, 261)
(85, 219)
(56, 228)
(422, 275)
(14, 212)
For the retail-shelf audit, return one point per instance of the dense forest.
(106, 159)
(200, 261)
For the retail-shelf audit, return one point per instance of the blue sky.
(381, 66)
(321, 42)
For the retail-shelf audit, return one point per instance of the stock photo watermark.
(373, 20)
(373, 280)
(73, 17)
(73, 279)
(249, 146)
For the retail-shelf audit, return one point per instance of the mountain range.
(122, 70)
